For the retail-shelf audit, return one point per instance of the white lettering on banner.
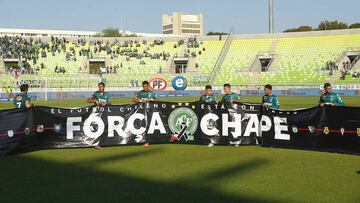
(156, 124)
(89, 124)
(116, 127)
(252, 126)
(131, 121)
(70, 127)
(267, 125)
(205, 120)
(236, 124)
(279, 128)
(222, 106)
(94, 126)
(115, 123)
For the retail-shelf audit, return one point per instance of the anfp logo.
(179, 83)
(157, 84)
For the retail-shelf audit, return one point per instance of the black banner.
(328, 128)
(320, 128)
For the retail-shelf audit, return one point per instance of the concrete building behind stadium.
(183, 24)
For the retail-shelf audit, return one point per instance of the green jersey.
(147, 95)
(208, 99)
(101, 96)
(331, 98)
(271, 101)
(230, 97)
(20, 100)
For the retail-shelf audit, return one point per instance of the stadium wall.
(69, 95)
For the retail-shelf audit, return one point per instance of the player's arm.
(339, 101)
(136, 98)
(105, 103)
(28, 104)
(14, 102)
(321, 102)
(155, 97)
(276, 103)
(236, 98)
(263, 101)
(93, 100)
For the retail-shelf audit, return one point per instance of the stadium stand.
(297, 59)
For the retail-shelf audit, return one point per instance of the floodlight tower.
(271, 17)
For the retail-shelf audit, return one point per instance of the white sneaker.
(210, 145)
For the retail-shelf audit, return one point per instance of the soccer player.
(208, 96)
(145, 95)
(100, 97)
(269, 99)
(22, 100)
(229, 95)
(330, 97)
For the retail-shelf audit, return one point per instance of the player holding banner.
(22, 100)
(208, 96)
(269, 99)
(229, 95)
(145, 95)
(330, 97)
(100, 97)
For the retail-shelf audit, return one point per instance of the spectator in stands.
(356, 74)
(329, 97)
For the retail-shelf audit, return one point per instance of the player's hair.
(145, 83)
(24, 87)
(268, 86)
(208, 87)
(101, 83)
(227, 85)
(326, 85)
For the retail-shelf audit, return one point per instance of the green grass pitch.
(181, 173)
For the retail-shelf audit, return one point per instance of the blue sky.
(246, 16)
